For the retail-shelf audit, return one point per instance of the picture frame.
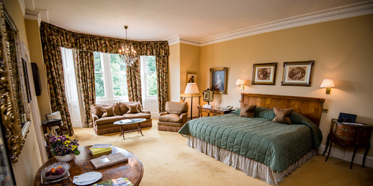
(219, 80)
(264, 74)
(191, 77)
(297, 73)
(26, 80)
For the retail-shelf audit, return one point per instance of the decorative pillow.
(123, 108)
(107, 111)
(133, 108)
(247, 110)
(96, 110)
(116, 109)
(282, 115)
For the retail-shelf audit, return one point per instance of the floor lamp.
(191, 89)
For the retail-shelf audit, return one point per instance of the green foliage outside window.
(151, 76)
(118, 69)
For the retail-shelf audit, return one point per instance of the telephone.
(228, 108)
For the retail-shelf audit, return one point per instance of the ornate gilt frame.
(12, 87)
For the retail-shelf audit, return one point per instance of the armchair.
(174, 118)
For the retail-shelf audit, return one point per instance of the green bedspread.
(273, 144)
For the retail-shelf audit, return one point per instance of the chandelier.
(127, 53)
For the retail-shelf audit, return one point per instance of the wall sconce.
(241, 83)
(328, 84)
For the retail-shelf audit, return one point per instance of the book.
(108, 160)
(101, 146)
(95, 151)
(115, 182)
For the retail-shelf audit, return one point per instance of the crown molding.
(342, 12)
(182, 39)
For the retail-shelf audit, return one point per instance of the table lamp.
(191, 89)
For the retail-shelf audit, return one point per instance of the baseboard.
(338, 153)
(154, 115)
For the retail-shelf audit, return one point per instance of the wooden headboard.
(309, 107)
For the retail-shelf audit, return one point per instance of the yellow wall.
(36, 55)
(342, 51)
(30, 160)
(189, 62)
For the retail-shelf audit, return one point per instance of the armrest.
(94, 118)
(184, 117)
(163, 113)
(145, 111)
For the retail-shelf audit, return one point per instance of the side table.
(357, 135)
(213, 110)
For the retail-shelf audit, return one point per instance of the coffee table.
(130, 122)
(132, 169)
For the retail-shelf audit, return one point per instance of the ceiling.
(162, 19)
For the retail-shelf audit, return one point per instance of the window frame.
(108, 81)
(144, 74)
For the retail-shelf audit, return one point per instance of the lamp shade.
(327, 83)
(240, 82)
(191, 88)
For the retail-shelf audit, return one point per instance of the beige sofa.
(174, 118)
(104, 115)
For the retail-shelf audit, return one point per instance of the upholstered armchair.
(174, 118)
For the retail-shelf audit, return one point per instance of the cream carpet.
(168, 160)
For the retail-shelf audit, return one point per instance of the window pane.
(116, 63)
(120, 84)
(97, 60)
(151, 84)
(99, 84)
(150, 64)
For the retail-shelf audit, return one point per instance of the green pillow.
(237, 111)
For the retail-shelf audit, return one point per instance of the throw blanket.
(273, 144)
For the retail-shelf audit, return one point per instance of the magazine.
(115, 182)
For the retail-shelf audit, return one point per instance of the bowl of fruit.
(55, 171)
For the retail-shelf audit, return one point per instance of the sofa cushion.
(116, 109)
(137, 115)
(123, 108)
(133, 108)
(109, 120)
(96, 110)
(107, 111)
(176, 107)
(170, 118)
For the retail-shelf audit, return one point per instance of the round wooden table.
(132, 169)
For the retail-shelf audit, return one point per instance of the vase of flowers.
(64, 148)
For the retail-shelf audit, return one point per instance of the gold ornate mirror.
(15, 112)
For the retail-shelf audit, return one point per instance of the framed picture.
(264, 74)
(27, 83)
(191, 77)
(297, 73)
(219, 80)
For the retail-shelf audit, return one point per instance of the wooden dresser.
(213, 110)
(351, 135)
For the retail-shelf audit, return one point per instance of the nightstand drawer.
(348, 130)
(345, 139)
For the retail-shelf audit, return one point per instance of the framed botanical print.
(191, 77)
(219, 80)
(297, 73)
(264, 74)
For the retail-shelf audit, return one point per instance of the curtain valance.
(53, 35)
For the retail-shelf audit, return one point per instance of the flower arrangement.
(64, 145)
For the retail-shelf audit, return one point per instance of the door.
(71, 88)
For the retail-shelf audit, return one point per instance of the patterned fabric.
(56, 84)
(54, 37)
(162, 81)
(134, 82)
(85, 71)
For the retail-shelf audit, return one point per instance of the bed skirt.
(250, 167)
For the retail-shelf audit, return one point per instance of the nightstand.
(213, 110)
(357, 135)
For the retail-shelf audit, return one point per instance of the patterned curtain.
(54, 37)
(56, 84)
(134, 81)
(85, 70)
(162, 81)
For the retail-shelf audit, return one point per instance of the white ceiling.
(161, 19)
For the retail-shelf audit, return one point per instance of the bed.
(258, 146)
